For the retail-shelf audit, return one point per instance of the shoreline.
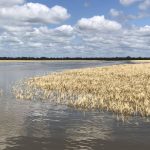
(28, 61)
(82, 60)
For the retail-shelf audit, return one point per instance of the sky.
(75, 28)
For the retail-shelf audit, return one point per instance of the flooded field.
(36, 125)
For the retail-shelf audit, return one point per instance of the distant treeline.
(76, 58)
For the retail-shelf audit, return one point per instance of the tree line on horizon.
(75, 58)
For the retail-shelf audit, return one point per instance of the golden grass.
(123, 89)
(141, 60)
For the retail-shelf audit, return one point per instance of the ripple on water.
(29, 125)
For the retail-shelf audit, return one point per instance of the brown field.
(122, 89)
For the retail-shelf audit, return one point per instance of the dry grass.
(140, 61)
(123, 89)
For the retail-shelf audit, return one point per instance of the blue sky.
(78, 8)
(75, 28)
(88, 8)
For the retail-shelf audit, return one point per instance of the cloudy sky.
(75, 28)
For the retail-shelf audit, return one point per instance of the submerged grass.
(123, 89)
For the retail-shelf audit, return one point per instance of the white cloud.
(61, 31)
(65, 29)
(145, 29)
(133, 42)
(128, 2)
(92, 40)
(98, 23)
(24, 31)
(120, 16)
(4, 3)
(15, 29)
(42, 40)
(115, 13)
(46, 42)
(145, 5)
(33, 13)
(24, 27)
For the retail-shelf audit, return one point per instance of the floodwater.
(35, 125)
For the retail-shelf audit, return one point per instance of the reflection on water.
(35, 125)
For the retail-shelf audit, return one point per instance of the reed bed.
(122, 89)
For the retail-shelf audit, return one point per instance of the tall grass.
(123, 89)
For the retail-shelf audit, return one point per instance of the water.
(35, 125)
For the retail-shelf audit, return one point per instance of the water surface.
(35, 125)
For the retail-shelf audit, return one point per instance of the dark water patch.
(34, 143)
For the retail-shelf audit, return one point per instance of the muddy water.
(35, 125)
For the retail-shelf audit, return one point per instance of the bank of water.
(29, 125)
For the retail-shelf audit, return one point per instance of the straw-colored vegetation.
(140, 61)
(123, 89)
